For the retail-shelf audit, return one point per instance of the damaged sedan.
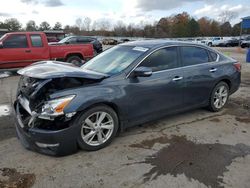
(60, 107)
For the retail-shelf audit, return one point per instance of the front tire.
(219, 97)
(98, 127)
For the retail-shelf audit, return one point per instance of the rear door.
(200, 74)
(39, 51)
(162, 91)
(15, 52)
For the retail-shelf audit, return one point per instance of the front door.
(15, 52)
(160, 93)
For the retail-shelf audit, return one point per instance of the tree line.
(178, 25)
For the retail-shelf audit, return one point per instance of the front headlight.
(55, 107)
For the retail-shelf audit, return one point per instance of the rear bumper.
(49, 142)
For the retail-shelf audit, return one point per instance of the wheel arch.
(74, 54)
(227, 81)
(113, 106)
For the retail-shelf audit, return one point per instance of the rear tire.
(209, 44)
(98, 127)
(75, 60)
(218, 97)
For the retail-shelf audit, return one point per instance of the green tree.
(180, 25)
(226, 29)
(13, 24)
(31, 26)
(236, 29)
(3, 25)
(205, 26)
(44, 26)
(193, 28)
(120, 29)
(57, 26)
(164, 27)
(215, 28)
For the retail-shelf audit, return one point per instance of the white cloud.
(129, 11)
(48, 3)
(206, 9)
(151, 5)
(214, 11)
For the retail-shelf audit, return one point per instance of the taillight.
(237, 66)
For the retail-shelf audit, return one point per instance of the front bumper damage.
(57, 142)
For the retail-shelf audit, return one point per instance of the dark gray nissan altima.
(60, 107)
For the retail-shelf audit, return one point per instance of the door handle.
(177, 78)
(213, 70)
(27, 51)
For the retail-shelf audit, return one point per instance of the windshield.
(2, 36)
(114, 60)
(64, 40)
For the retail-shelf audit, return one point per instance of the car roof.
(156, 43)
(79, 36)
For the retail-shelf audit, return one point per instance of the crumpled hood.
(53, 69)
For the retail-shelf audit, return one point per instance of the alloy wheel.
(97, 128)
(220, 97)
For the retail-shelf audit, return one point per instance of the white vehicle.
(215, 41)
(199, 41)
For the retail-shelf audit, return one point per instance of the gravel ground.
(192, 149)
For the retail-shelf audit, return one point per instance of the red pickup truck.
(20, 49)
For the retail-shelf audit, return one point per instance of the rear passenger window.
(36, 40)
(72, 40)
(213, 56)
(162, 59)
(83, 40)
(194, 55)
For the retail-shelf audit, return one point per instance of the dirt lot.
(193, 149)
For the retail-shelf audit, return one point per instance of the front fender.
(89, 96)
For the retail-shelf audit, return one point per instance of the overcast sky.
(129, 11)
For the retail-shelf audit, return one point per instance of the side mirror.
(67, 42)
(142, 72)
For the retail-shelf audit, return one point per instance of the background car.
(245, 43)
(215, 41)
(127, 85)
(109, 41)
(123, 40)
(229, 43)
(83, 40)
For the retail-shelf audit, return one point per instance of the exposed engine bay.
(33, 101)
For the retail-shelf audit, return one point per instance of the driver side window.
(163, 59)
(16, 41)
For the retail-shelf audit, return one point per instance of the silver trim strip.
(177, 67)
